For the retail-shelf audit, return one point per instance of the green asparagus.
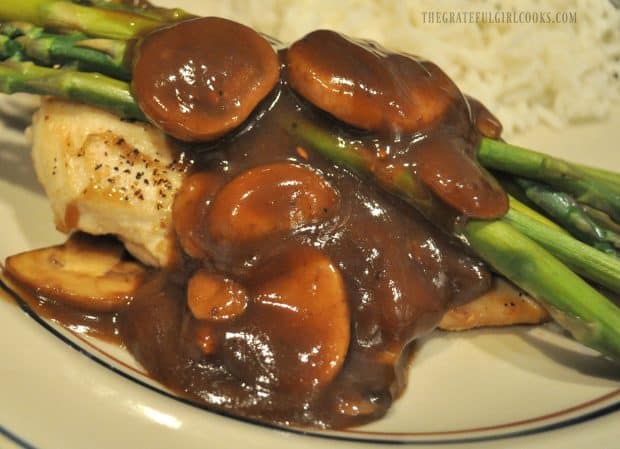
(362, 160)
(144, 9)
(594, 187)
(601, 218)
(106, 56)
(590, 262)
(589, 316)
(565, 210)
(599, 267)
(573, 302)
(66, 15)
(92, 88)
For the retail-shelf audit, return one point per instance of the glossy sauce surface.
(201, 95)
(366, 86)
(303, 284)
(266, 201)
(402, 100)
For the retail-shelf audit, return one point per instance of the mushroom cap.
(189, 207)
(86, 272)
(268, 199)
(459, 180)
(367, 87)
(296, 337)
(201, 78)
(214, 297)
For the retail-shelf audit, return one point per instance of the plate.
(522, 387)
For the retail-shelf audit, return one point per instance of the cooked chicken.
(106, 176)
(503, 305)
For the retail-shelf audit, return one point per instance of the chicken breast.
(103, 175)
(503, 305)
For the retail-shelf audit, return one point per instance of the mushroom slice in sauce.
(206, 338)
(188, 209)
(459, 180)
(85, 272)
(367, 87)
(268, 199)
(301, 310)
(200, 89)
(214, 297)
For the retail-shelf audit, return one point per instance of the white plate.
(519, 387)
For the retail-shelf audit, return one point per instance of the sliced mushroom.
(214, 297)
(459, 180)
(365, 86)
(486, 123)
(269, 199)
(301, 298)
(86, 272)
(189, 207)
(200, 89)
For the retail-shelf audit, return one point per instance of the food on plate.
(307, 211)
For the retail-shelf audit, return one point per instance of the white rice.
(526, 73)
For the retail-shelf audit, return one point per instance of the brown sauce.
(103, 326)
(337, 277)
(202, 95)
(368, 87)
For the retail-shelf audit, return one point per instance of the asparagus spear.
(8, 47)
(601, 175)
(362, 160)
(601, 218)
(591, 263)
(91, 88)
(65, 15)
(145, 9)
(106, 56)
(588, 261)
(597, 188)
(590, 317)
(594, 264)
(565, 210)
(523, 208)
